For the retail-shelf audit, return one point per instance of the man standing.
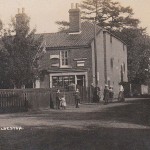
(106, 94)
(77, 98)
(111, 93)
(58, 99)
(121, 94)
(92, 92)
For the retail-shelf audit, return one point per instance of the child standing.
(63, 102)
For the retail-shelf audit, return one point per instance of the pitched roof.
(61, 39)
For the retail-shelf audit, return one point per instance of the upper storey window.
(64, 59)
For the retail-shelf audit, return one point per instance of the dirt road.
(91, 127)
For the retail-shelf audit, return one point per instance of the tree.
(110, 15)
(4, 82)
(1, 25)
(120, 21)
(138, 53)
(22, 46)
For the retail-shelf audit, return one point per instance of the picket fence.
(21, 100)
(12, 101)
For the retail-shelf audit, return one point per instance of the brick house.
(69, 58)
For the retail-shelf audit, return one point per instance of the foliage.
(120, 21)
(138, 53)
(63, 25)
(110, 15)
(1, 27)
(21, 45)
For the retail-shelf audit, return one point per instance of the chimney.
(74, 19)
(18, 11)
(23, 10)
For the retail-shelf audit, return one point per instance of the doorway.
(81, 86)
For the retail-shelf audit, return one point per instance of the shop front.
(70, 82)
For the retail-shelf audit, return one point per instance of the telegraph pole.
(95, 44)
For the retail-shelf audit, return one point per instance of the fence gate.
(11, 101)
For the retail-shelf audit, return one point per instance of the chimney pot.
(77, 5)
(72, 5)
(23, 10)
(18, 11)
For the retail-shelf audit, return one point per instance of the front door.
(81, 86)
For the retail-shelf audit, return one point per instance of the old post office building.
(69, 57)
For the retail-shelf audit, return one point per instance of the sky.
(44, 13)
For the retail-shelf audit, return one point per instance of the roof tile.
(61, 39)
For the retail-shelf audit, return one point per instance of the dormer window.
(64, 59)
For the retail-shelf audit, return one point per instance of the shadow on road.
(91, 137)
(135, 112)
(73, 139)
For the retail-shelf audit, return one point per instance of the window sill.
(65, 67)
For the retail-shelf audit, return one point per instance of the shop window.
(64, 58)
(64, 82)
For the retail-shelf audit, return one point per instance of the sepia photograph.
(74, 75)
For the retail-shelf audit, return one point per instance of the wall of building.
(77, 55)
(116, 52)
(108, 46)
(109, 49)
(74, 56)
(100, 61)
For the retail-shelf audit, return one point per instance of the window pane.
(72, 79)
(66, 63)
(63, 62)
(64, 82)
(64, 58)
(66, 54)
(55, 81)
(60, 82)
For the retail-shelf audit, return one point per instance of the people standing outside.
(77, 98)
(96, 94)
(58, 99)
(111, 93)
(92, 92)
(106, 94)
(51, 102)
(121, 94)
(63, 102)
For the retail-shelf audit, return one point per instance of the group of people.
(109, 94)
(61, 101)
(96, 94)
